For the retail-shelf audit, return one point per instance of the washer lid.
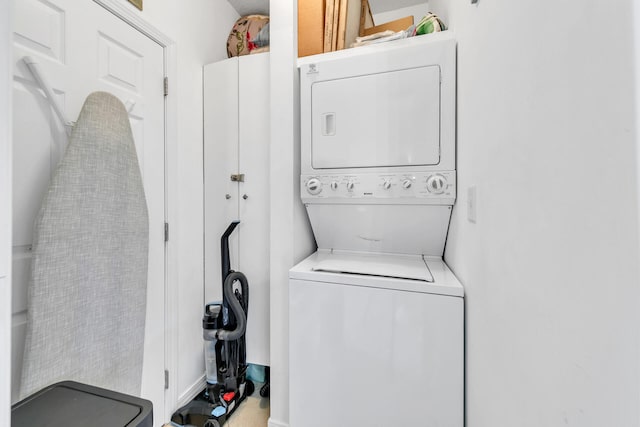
(414, 268)
(311, 270)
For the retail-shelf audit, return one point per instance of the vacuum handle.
(236, 307)
(224, 249)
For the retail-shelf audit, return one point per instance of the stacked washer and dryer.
(376, 316)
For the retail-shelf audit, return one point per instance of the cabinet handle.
(227, 196)
(244, 196)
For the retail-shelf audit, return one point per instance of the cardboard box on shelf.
(311, 27)
(334, 27)
(349, 24)
(366, 17)
(397, 25)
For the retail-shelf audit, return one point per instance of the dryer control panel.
(383, 188)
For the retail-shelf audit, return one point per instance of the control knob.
(334, 185)
(406, 184)
(436, 184)
(386, 184)
(350, 185)
(314, 186)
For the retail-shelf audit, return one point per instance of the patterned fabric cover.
(244, 31)
(87, 291)
(430, 23)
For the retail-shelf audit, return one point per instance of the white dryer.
(376, 317)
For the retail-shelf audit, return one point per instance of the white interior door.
(82, 48)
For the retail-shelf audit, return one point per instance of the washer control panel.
(439, 186)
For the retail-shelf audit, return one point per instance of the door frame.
(6, 122)
(133, 18)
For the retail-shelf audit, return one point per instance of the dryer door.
(377, 120)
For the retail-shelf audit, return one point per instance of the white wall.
(417, 11)
(547, 133)
(5, 211)
(282, 160)
(200, 29)
(291, 238)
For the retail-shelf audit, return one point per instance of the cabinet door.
(220, 161)
(254, 209)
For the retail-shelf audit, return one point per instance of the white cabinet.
(236, 142)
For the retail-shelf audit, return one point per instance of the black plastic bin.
(71, 404)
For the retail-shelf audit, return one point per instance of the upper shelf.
(374, 48)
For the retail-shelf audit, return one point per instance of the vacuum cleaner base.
(212, 407)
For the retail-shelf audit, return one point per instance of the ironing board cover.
(87, 291)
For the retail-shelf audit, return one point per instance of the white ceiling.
(249, 7)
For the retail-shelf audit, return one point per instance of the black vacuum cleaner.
(224, 325)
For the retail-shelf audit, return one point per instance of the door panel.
(220, 161)
(254, 237)
(40, 26)
(82, 48)
(352, 116)
(119, 65)
(34, 157)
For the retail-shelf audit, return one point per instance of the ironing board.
(87, 291)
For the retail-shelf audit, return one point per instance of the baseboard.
(274, 423)
(192, 391)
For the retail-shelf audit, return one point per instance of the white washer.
(375, 350)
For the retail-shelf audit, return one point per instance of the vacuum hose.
(235, 306)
